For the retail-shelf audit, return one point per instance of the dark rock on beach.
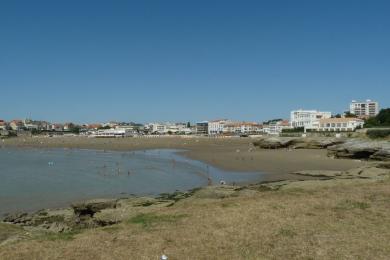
(361, 149)
(273, 143)
(17, 218)
(297, 143)
(337, 147)
(89, 208)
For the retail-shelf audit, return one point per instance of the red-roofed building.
(276, 127)
(16, 125)
(94, 126)
(3, 125)
(338, 124)
(57, 127)
(243, 128)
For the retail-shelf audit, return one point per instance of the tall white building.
(306, 118)
(216, 127)
(368, 108)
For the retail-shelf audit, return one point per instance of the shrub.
(378, 133)
(381, 120)
(293, 130)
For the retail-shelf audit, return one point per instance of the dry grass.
(343, 221)
(7, 231)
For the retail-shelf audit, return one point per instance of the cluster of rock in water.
(92, 213)
(337, 147)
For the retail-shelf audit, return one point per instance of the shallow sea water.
(32, 179)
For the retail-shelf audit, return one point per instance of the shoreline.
(232, 154)
(237, 155)
(214, 175)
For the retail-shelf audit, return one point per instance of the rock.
(17, 218)
(319, 173)
(310, 143)
(273, 143)
(367, 172)
(297, 143)
(58, 227)
(381, 155)
(372, 172)
(89, 208)
(55, 221)
(384, 165)
(361, 149)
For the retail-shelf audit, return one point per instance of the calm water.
(32, 179)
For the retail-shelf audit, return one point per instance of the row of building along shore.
(300, 120)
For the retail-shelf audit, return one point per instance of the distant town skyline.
(350, 110)
(179, 61)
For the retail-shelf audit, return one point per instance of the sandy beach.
(236, 154)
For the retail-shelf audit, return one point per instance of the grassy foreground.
(343, 219)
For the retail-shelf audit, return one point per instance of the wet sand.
(236, 154)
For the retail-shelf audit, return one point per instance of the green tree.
(382, 119)
(349, 114)
(75, 130)
(337, 116)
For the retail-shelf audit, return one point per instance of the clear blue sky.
(88, 61)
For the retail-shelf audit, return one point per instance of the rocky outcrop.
(361, 149)
(319, 173)
(317, 143)
(374, 172)
(17, 218)
(51, 220)
(337, 147)
(90, 208)
(381, 155)
(92, 213)
(80, 215)
(297, 143)
(273, 143)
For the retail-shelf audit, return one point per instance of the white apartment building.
(275, 128)
(338, 124)
(129, 129)
(117, 132)
(216, 127)
(306, 118)
(157, 128)
(243, 128)
(164, 128)
(365, 109)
